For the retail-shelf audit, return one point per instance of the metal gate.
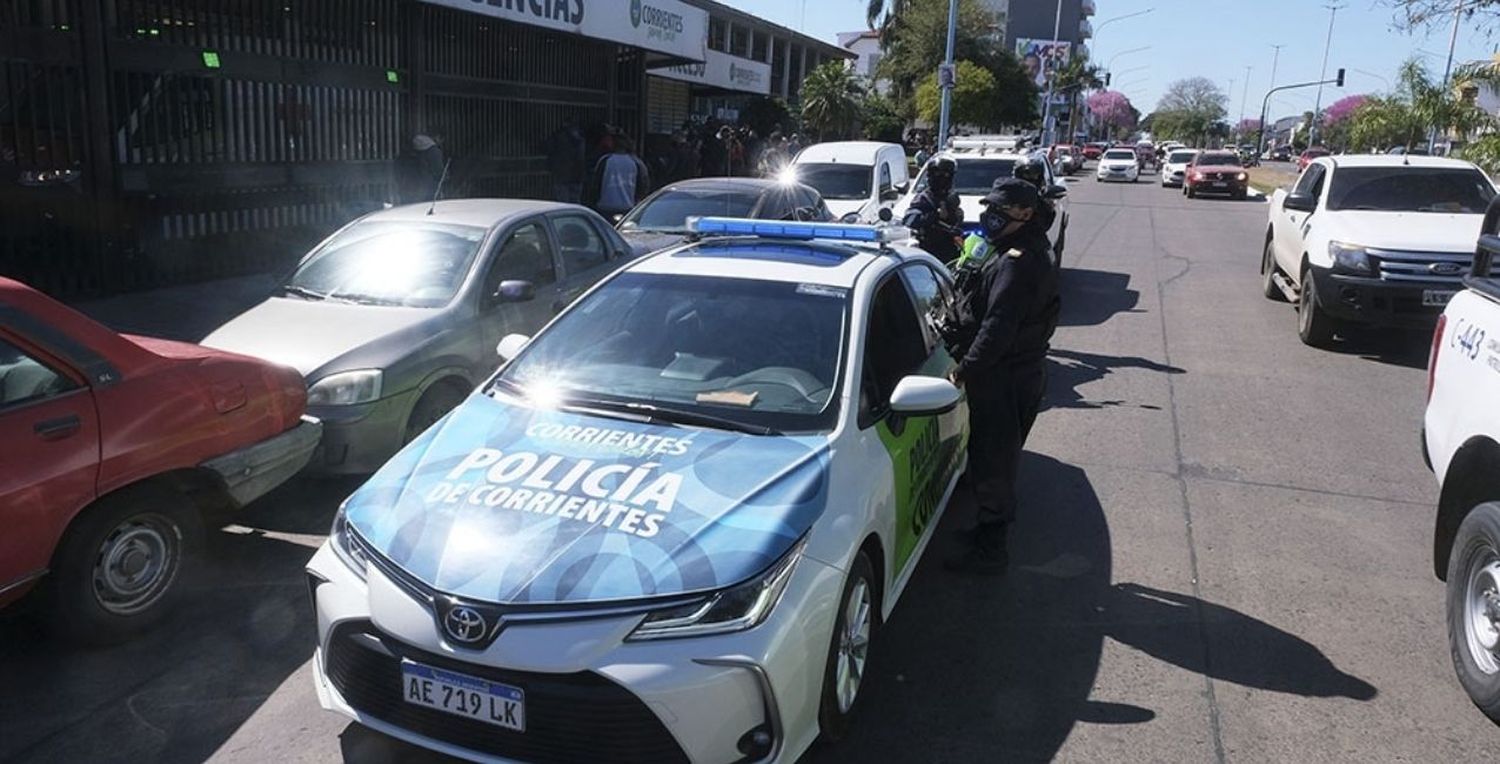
(151, 142)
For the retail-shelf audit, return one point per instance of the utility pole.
(946, 82)
(1312, 133)
(1244, 95)
(1275, 58)
(1048, 138)
(1458, 7)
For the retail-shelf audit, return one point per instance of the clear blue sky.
(1216, 39)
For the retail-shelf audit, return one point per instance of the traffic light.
(1341, 78)
(1107, 76)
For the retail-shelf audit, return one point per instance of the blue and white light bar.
(787, 229)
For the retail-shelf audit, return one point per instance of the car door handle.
(57, 429)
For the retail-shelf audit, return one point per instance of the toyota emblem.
(465, 624)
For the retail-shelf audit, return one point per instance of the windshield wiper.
(304, 292)
(646, 413)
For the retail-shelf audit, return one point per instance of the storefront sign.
(667, 26)
(722, 70)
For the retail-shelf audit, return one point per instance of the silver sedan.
(396, 317)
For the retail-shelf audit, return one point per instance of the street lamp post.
(1312, 135)
(1260, 147)
(946, 82)
(1050, 68)
(1109, 21)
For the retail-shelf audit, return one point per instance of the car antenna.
(436, 192)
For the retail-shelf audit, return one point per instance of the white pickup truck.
(1373, 240)
(1461, 442)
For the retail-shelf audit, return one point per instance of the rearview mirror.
(890, 195)
(515, 290)
(510, 346)
(917, 395)
(1056, 192)
(903, 186)
(1300, 201)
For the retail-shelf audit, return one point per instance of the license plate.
(470, 697)
(1437, 297)
(1220, 184)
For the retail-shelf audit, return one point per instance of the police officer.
(1011, 313)
(935, 215)
(1032, 171)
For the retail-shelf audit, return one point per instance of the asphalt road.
(1223, 554)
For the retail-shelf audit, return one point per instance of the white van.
(857, 177)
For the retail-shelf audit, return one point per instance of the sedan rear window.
(1218, 158)
(669, 210)
(1410, 189)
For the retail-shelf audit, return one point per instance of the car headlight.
(345, 388)
(737, 608)
(347, 545)
(1349, 257)
(1241, 176)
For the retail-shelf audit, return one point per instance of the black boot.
(983, 553)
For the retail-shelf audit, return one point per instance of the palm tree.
(1074, 77)
(831, 99)
(879, 14)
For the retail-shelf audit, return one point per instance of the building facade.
(151, 142)
(1037, 19)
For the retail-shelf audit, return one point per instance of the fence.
(148, 142)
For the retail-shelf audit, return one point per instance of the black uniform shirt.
(936, 223)
(1018, 288)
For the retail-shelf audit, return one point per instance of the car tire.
(1240, 195)
(1473, 605)
(1190, 193)
(1268, 274)
(847, 659)
(1314, 327)
(122, 565)
(434, 404)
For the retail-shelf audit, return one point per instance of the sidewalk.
(187, 313)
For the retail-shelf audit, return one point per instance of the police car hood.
(500, 502)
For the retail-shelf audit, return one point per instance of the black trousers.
(1003, 404)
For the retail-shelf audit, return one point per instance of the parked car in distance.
(859, 177)
(1372, 240)
(1216, 172)
(660, 220)
(1119, 164)
(1174, 169)
(117, 452)
(1307, 156)
(395, 318)
(1461, 444)
(1065, 158)
(1281, 154)
(1093, 150)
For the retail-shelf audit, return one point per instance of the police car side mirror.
(917, 395)
(903, 186)
(515, 290)
(510, 346)
(1056, 192)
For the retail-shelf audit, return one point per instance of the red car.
(1309, 155)
(1216, 172)
(1092, 151)
(115, 449)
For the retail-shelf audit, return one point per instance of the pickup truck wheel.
(1474, 607)
(1268, 274)
(1314, 327)
(848, 652)
(434, 404)
(122, 564)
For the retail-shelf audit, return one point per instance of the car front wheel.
(1268, 274)
(848, 650)
(1314, 327)
(1474, 607)
(121, 565)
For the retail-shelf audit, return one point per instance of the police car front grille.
(569, 717)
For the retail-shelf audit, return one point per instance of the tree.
(1342, 109)
(973, 97)
(1426, 14)
(880, 13)
(831, 100)
(764, 114)
(882, 120)
(1191, 110)
(1112, 108)
(1249, 130)
(1075, 77)
(915, 45)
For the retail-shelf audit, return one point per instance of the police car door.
(921, 450)
(525, 253)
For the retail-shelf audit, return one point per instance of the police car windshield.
(410, 263)
(1409, 189)
(836, 181)
(761, 353)
(975, 176)
(669, 210)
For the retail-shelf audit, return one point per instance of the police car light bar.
(785, 229)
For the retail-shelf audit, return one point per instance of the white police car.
(669, 527)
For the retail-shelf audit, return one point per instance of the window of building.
(739, 40)
(760, 46)
(718, 34)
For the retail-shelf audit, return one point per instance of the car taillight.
(1432, 355)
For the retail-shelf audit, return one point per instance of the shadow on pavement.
(1068, 370)
(1092, 297)
(1395, 347)
(177, 693)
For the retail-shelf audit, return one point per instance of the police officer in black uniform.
(1010, 316)
(935, 216)
(1032, 171)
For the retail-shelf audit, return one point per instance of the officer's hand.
(956, 376)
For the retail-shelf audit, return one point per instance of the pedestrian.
(1010, 315)
(935, 217)
(565, 156)
(421, 170)
(622, 179)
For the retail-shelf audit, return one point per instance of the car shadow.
(1069, 370)
(178, 692)
(1092, 297)
(1002, 669)
(1395, 347)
